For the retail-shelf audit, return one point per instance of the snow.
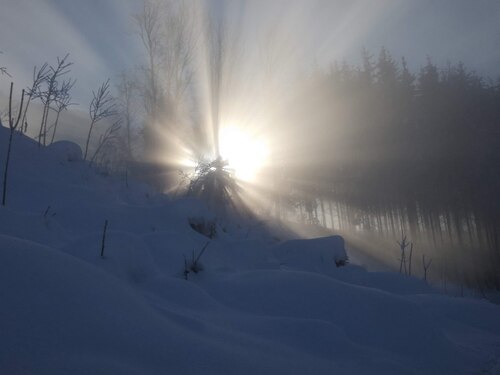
(257, 307)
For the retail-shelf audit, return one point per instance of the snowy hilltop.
(140, 297)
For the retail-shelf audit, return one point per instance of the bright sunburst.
(245, 153)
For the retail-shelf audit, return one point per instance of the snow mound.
(125, 255)
(321, 255)
(65, 151)
(387, 281)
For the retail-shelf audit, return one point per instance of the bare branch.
(102, 104)
(101, 107)
(410, 258)
(13, 124)
(62, 101)
(426, 266)
(3, 69)
(126, 89)
(110, 134)
(39, 76)
(403, 244)
(50, 95)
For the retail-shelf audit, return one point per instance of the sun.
(245, 153)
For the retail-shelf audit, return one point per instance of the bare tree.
(62, 102)
(425, 266)
(110, 135)
(39, 76)
(169, 34)
(180, 41)
(403, 245)
(126, 89)
(101, 107)
(50, 95)
(12, 126)
(149, 29)
(410, 259)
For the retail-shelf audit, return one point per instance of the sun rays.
(237, 102)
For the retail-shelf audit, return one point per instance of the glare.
(245, 153)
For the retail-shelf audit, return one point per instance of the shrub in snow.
(204, 226)
(212, 182)
(194, 264)
(341, 262)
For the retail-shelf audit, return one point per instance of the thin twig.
(104, 238)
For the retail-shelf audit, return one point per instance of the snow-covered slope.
(256, 307)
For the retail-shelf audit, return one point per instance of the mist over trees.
(167, 31)
(396, 151)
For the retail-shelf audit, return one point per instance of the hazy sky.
(99, 36)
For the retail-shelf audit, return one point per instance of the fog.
(100, 35)
(372, 119)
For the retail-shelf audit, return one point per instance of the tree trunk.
(6, 170)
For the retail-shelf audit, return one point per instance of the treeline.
(398, 151)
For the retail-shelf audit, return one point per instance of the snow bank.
(367, 317)
(60, 315)
(256, 308)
